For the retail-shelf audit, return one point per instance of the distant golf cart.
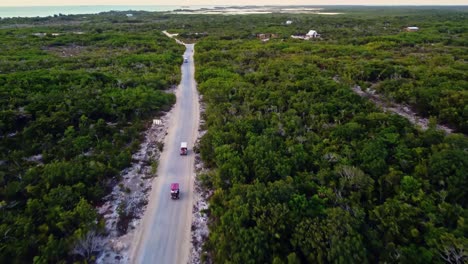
(175, 191)
(183, 148)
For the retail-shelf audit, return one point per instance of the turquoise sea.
(44, 11)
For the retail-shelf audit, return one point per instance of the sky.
(228, 2)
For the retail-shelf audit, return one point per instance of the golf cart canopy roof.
(174, 186)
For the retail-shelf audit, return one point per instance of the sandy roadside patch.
(130, 196)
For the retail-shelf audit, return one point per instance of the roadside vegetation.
(303, 170)
(369, 47)
(73, 101)
(306, 171)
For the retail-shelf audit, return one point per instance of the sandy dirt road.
(164, 235)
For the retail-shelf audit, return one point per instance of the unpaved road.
(399, 109)
(164, 235)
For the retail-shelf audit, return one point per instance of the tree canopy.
(73, 102)
(306, 171)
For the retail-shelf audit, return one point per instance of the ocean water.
(44, 11)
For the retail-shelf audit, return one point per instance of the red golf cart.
(175, 191)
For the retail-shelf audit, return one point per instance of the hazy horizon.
(25, 3)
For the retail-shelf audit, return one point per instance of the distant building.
(411, 29)
(129, 15)
(311, 34)
(267, 36)
(39, 34)
(289, 22)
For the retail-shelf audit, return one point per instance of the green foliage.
(71, 110)
(304, 170)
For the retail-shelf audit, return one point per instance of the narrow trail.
(402, 110)
(164, 235)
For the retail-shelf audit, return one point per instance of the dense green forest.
(426, 69)
(73, 102)
(303, 170)
(306, 171)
